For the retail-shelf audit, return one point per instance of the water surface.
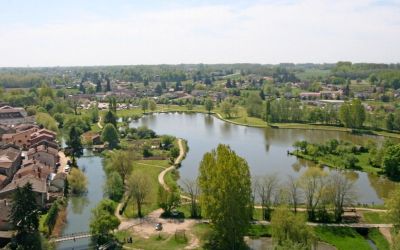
(265, 149)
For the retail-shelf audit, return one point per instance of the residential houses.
(11, 115)
(10, 162)
(44, 154)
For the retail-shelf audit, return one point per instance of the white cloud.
(301, 31)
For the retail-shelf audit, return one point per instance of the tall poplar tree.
(226, 196)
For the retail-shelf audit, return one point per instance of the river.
(79, 208)
(265, 149)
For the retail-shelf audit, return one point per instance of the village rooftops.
(8, 155)
(34, 168)
(39, 185)
(43, 148)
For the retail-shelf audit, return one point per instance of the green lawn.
(162, 242)
(152, 170)
(375, 217)
(342, 238)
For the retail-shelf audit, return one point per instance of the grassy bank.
(342, 238)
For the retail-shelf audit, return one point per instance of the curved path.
(99, 123)
(172, 167)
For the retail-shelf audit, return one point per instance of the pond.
(79, 208)
(265, 149)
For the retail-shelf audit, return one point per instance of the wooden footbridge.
(74, 237)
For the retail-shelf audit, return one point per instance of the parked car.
(158, 227)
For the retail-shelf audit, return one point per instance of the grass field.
(152, 170)
(375, 217)
(342, 238)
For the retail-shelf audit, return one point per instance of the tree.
(192, 188)
(226, 108)
(144, 103)
(24, 216)
(111, 118)
(254, 105)
(358, 112)
(208, 105)
(290, 228)
(103, 220)
(114, 186)
(293, 189)
(138, 188)
(341, 191)
(110, 135)
(74, 143)
(345, 115)
(152, 105)
(168, 200)
(391, 162)
(121, 162)
(77, 181)
(158, 89)
(313, 184)
(167, 141)
(390, 125)
(226, 196)
(266, 187)
(393, 205)
(108, 84)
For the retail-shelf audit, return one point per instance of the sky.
(121, 32)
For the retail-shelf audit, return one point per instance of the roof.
(2, 179)
(38, 185)
(35, 169)
(43, 148)
(8, 155)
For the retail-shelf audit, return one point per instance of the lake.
(265, 149)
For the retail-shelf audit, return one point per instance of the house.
(42, 135)
(21, 138)
(34, 168)
(309, 95)
(10, 115)
(92, 138)
(10, 161)
(39, 187)
(44, 154)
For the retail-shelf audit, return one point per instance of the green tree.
(25, 218)
(110, 135)
(121, 162)
(226, 196)
(168, 200)
(358, 112)
(103, 220)
(152, 105)
(390, 125)
(74, 143)
(111, 118)
(290, 228)
(114, 186)
(254, 105)
(345, 115)
(391, 162)
(393, 205)
(144, 103)
(77, 181)
(208, 105)
(226, 108)
(138, 188)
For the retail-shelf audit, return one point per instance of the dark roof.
(38, 185)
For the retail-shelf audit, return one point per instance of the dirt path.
(99, 123)
(177, 161)
(63, 161)
(386, 232)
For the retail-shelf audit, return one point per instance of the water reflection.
(265, 149)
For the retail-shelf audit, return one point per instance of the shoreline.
(303, 126)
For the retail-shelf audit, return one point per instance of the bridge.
(73, 236)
